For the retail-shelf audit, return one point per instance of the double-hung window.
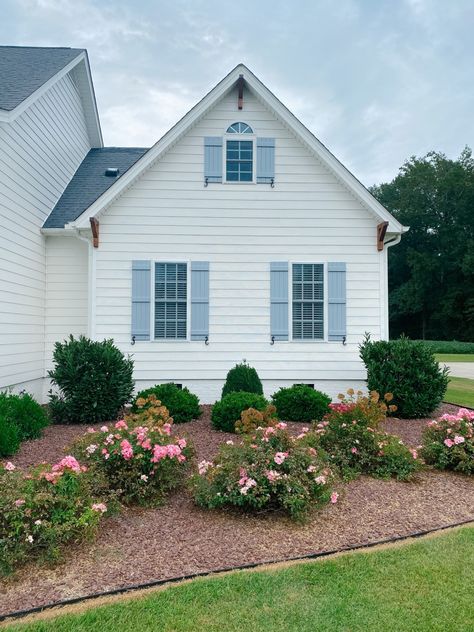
(171, 299)
(308, 301)
(239, 154)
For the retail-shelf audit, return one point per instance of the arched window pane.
(239, 128)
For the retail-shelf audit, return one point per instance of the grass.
(460, 391)
(455, 357)
(425, 585)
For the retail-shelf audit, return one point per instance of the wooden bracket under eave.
(95, 231)
(381, 230)
(240, 85)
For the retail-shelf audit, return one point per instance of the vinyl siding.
(240, 228)
(39, 152)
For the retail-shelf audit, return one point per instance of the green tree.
(431, 272)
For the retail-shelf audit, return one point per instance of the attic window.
(112, 172)
(239, 128)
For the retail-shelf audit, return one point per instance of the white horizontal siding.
(309, 216)
(66, 306)
(39, 153)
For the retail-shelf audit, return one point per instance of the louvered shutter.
(265, 160)
(141, 295)
(213, 159)
(336, 301)
(199, 300)
(279, 300)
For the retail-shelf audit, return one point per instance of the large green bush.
(228, 410)
(21, 418)
(94, 380)
(242, 378)
(301, 403)
(407, 369)
(183, 405)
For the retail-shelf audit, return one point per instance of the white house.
(238, 235)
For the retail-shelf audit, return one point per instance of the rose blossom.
(334, 497)
(280, 457)
(272, 476)
(203, 466)
(320, 480)
(9, 466)
(121, 424)
(448, 442)
(99, 507)
(127, 450)
(19, 502)
(458, 439)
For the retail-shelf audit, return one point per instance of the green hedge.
(447, 346)
(227, 411)
(21, 418)
(301, 403)
(182, 405)
(242, 377)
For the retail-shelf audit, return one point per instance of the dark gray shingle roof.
(24, 69)
(89, 182)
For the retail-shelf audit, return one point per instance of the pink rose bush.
(138, 458)
(350, 437)
(448, 442)
(269, 470)
(44, 509)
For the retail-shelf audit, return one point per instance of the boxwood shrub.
(242, 377)
(21, 418)
(301, 403)
(228, 410)
(182, 405)
(94, 380)
(407, 369)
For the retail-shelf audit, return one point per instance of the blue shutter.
(199, 300)
(213, 159)
(265, 160)
(336, 301)
(141, 291)
(279, 300)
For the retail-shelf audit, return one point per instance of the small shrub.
(407, 369)
(448, 443)
(94, 381)
(137, 456)
(270, 470)
(251, 419)
(23, 411)
(242, 378)
(350, 436)
(182, 405)
(9, 437)
(44, 510)
(226, 413)
(300, 403)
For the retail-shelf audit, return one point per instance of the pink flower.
(229, 442)
(144, 478)
(312, 451)
(311, 469)
(203, 466)
(448, 442)
(90, 430)
(320, 480)
(250, 483)
(68, 463)
(280, 457)
(146, 445)
(127, 450)
(334, 497)
(99, 507)
(159, 452)
(104, 429)
(20, 502)
(182, 443)
(414, 454)
(173, 450)
(91, 448)
(272, 476)
(121, 424)
(458, 439)
(9, 466)
(354, 450)
(281, 425)
(167, 429)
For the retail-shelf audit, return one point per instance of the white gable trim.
(91, 113)
(281, 112)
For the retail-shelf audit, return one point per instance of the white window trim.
(253, 138)
(325, 337)
(188, 302)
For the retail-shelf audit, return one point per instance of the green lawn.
(455, 357)
(421, 586)
(460, 391)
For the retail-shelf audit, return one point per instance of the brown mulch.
(144, 545)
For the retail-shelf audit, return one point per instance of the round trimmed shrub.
(9, 437)
(301, 403)
(409, 370)
(24, 412)
(94, 380)
(228, 410)
(242, 378)
(182, 405)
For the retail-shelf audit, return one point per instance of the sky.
(377, 81)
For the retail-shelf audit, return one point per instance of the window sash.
(239, 161)
(171, 301)
(308, 301)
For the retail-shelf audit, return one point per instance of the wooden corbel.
(381, 230)
(240, 85)
(95, 231)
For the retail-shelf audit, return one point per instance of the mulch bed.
(144, 545)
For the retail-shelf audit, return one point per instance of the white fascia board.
(280, 110)
(8, 116)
